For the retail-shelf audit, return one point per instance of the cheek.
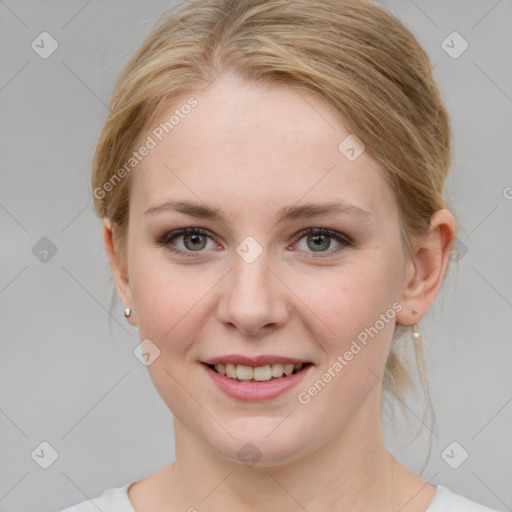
(353, 323)
(348, 301)
(168, 302)
(163, 296)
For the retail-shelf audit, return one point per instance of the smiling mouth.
(265, 373)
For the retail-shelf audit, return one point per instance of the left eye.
(318, 240)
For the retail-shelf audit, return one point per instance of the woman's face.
(250, 284)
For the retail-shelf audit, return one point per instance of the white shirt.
(116, 500)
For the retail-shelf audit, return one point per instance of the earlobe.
(119, 273)
(427, 270)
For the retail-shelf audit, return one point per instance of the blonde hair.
(355, 55)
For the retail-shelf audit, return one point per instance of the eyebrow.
(285, 214)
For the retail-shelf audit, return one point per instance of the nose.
(253, 298)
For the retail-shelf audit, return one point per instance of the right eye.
(193, 239)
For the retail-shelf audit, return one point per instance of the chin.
(262, 444)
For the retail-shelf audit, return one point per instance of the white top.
(116, 500)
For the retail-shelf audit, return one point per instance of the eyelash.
(167, 238)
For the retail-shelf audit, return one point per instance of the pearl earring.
(127, 312)
(415, 331)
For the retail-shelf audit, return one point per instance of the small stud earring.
(127, 312)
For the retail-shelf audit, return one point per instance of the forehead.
(256, 145)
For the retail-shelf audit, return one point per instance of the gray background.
(70, 379)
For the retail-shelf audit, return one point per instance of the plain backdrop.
(68, 375)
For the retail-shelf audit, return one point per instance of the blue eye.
(196, 239)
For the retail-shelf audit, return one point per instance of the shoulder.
(448, 501)
(112, 500)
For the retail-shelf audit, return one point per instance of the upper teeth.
(261, 373)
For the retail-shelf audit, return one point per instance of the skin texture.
(250, 151)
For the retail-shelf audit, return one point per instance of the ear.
(120, 274)
(426, 271)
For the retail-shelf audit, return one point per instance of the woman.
(270, 179)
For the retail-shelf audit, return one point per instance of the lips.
(256, 391)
